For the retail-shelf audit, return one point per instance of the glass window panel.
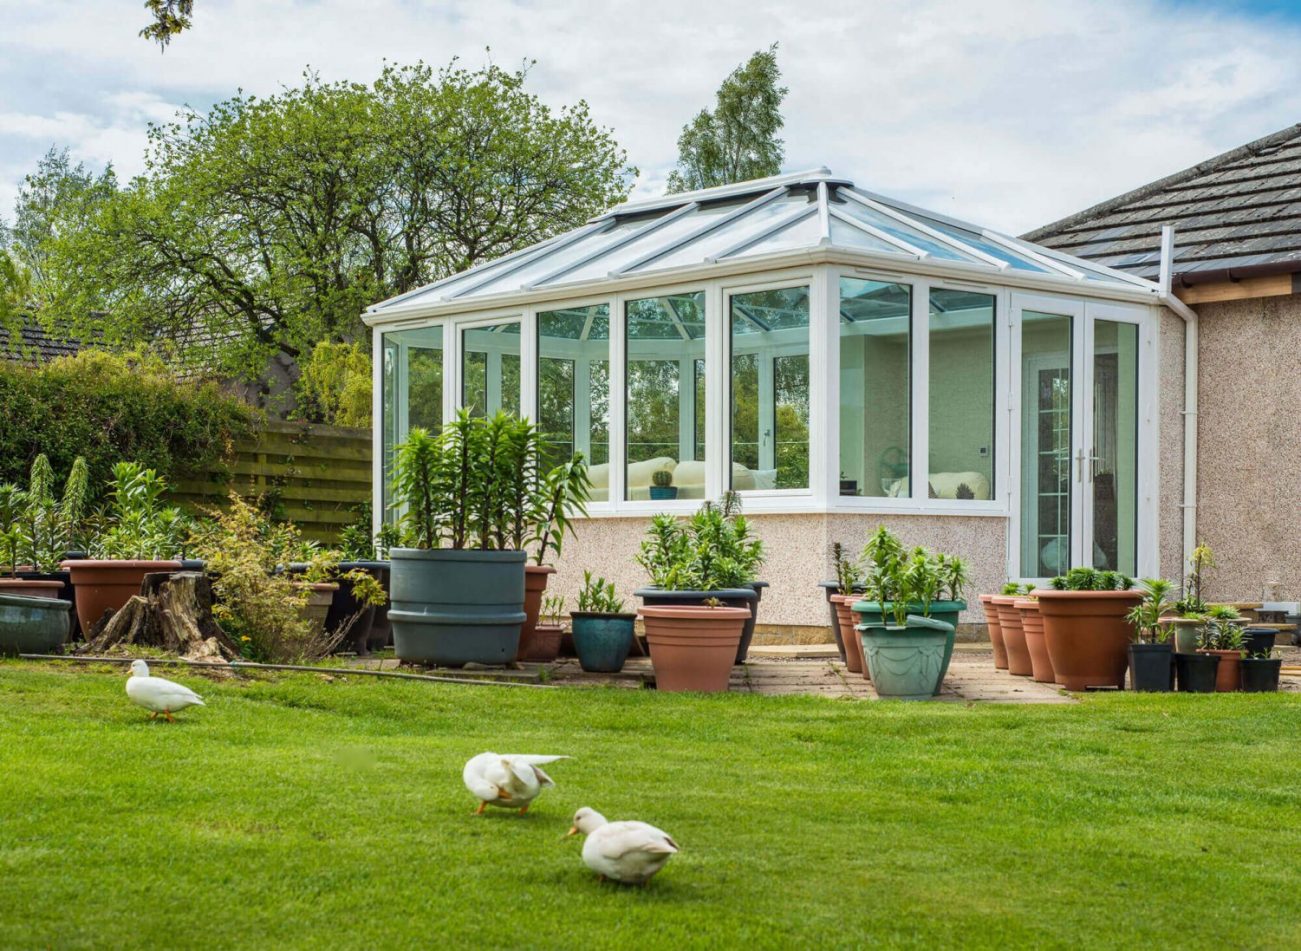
(665, 382)
(875, 395)
(1045, 444)
(961, 397)
(1115, 446)
(412, 391)
(490, 369)
(751, 223)
(573, 382)
(770, 396)
(975, 240)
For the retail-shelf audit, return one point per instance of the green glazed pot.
(906, 663)
(946, 611)
(33, 625)
(602, 641)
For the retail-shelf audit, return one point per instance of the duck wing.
(531, 762)
(618, 839)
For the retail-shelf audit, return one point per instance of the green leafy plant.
(597, 596)
(922, 579)
(954, 576)
(1192, 605)
(708, 551)
(1091, 579)
(1016, 589)
(553, 609)
(887, 580)
(13, 504)
(137, 525)
(1146, 615)
(846, 574)
(1221, 633)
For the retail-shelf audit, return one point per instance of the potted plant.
(693, 646)
(1151, 655)
(1195, 672)
(1086, 627)
(1221, 635)
(995, 630)
(1260, 671)
(1032, 629)
(847, 592)
(544, 646)
(602, 630)
(1186, 617)
(137, 535)
(709, 556)
(38, 530)
(1010, 626)
(662, 487)
(904, 652)
(33, 625)
(466, 498)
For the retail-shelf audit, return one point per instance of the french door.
(1082, 412)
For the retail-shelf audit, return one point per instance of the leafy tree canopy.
(738, 140)
(171, 18)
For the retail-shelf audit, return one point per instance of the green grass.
(313, 812)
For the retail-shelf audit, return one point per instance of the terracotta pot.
(105, 585)
(1228, 677)
(692, 648)
(1088, 636)
(848, 636)
(1032, 627)
(535, 582)
(31, 589)
(544, 645)
(1009, 622)
(995, 630)
(320, 595)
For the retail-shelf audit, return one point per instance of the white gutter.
(1189, 316)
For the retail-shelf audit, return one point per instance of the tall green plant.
(137, 525)
(711, 550)
(1146, 615)
(54, 526)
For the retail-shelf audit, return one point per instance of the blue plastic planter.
(602, 641)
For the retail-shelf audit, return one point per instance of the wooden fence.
(314, 476)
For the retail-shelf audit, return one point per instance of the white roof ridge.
(810, 176)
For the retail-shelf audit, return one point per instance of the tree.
(171, 18)
(15, 286)
(738, 140)
(267, 225)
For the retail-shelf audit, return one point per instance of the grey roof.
(1239, 212)
(33, 344)
(765, 218)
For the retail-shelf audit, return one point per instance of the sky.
(1009, 113)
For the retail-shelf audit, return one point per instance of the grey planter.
(33, 625)
(452, 607)
(747, 597)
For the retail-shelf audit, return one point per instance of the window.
(770, 389)
(412, 390)
(961, 394)
(875, 410)
(665, 373)
(490, 369)
(574, 383)
(1114, 460)
(1045, 444)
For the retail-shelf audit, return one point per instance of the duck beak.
(573, 830)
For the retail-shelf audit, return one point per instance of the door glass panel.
(1114, 462)
(412, 391)
(1045, 444)
(490, 369)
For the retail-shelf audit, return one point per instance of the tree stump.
(173, 611)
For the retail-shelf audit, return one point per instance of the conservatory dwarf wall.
(820, 351)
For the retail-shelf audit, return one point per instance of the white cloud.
(1008, 112)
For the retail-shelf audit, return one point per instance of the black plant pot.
(1151, 668)
(1258, 640)
(747, 597)
(344, 605)
(1196, 672)
(1260, 674)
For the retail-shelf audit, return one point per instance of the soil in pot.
(1088, 636)
(535, 583)
(995, 630)
(1151, 668)
(1260, 674)
(1228, 677)
(845, 621)
(105, 585)
(1032, 627)
(1009, 622)
(33, 625)
(31, 588)
(692, 648)
(1196, 672)
(906, 663)
(747, 597)
(602, 641)
(544, 645)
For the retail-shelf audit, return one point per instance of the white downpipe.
(1189, 316)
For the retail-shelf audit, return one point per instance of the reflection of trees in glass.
(745, 409)
(698, 372)
(556, 405)
(474, 383)
(425, 388)
(652, 409)
(510, 382)
(599, 394)
(791, 391)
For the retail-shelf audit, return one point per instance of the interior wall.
(962, 390)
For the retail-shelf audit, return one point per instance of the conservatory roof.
(765, 219)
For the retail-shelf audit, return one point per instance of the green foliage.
(357, 543)
(597, 596)
(137, 525)
(1091, 579)
(1192, 604)
(907, 580)
(170, 18)
(846, 574)
(334, 385)
(265, 225)
(1221, 633)
(954, 576)
(45, 528)
(708, 551)
(106, 407)
(662, 478)
(15, 290)
(552, 609)
(738, 140)
(1146, 616)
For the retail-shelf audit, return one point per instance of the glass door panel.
(1112, 469)
(1046, 444)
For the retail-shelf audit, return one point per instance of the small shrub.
(598, 597)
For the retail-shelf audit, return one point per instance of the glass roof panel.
(694, 252)
(543, 265)
(897, 229)
(993, 250)
(765, 311)
(862, 301)
(847, 236)
(802, 234)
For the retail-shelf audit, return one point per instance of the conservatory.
(825, 352)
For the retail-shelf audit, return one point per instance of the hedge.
(108, 407)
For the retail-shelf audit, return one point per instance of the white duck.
(629, 852)
(511, 780)
(157, 693)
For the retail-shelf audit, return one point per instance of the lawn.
(313, 812)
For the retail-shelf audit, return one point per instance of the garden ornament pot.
(995, 630)
(845, 622)
(746, 597)
(1260, 674)
(870, 612)
(33, 625)
(453, 607)
(1228, 678)
(66, 591)
(1088, 636)
(31, 588)
(1151, 668)
(693, 647)
(906, 663)
(105, 585)
(544, 645)
(1196, 672)
(1009, 622)
(1184, 633)
(535, 582)
(1032, 628)
(602, 641)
